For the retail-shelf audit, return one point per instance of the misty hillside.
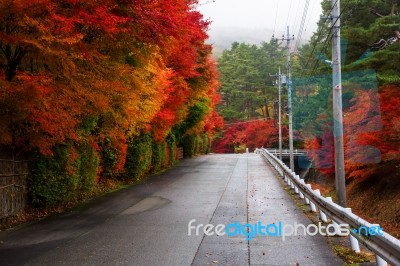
(222, 37)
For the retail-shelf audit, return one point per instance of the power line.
(290, 9)
(330, 33)
(276, 14)
(314, 46)
(303, 19)
(317, 40)
(309, 18)
(297, 16)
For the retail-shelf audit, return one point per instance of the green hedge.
(109, 158)
(58, 179)
(139, 157)
(206, 143)
(159, 155)
(71, 172)
(189, 144)
(88, 166)
(203, 144)
(193, 145)
(171, 142)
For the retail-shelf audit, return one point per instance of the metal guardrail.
(287, 152)
(385, 246)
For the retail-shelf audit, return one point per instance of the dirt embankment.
(376, 199)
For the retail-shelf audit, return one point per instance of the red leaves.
(371, 135)
(386, 140)
(127, 65)
(252, 134)
(213, 122)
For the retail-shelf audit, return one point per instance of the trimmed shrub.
(171, 142)
(199, 145)
(139, 157)
(109, 158)
(206, 143)
(158, 156)
(189, 144)
(62, 177)
(88, 162)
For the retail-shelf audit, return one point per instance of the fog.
(258, 19)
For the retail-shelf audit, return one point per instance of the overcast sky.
(270, 14)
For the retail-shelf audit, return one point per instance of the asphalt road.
(148, 224)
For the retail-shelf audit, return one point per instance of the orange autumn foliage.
(97, 72)
(371, 135)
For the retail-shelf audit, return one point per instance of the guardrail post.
(355, 246)
(379, 260)
(308, 202)
(296, 189)
(301, 194)
(322, 215)
(335, 224)
(312, 205)
(292, 184)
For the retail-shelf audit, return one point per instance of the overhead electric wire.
(309, 18)
(290, 9)
(276, 14)
(317, 40)
(301, 28)
(324, 47)
(297, 16)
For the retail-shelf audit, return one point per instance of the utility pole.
(337, 106)
(280, 113)
(279, 75)
(289, 90)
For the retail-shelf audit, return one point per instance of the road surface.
(149, 224)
